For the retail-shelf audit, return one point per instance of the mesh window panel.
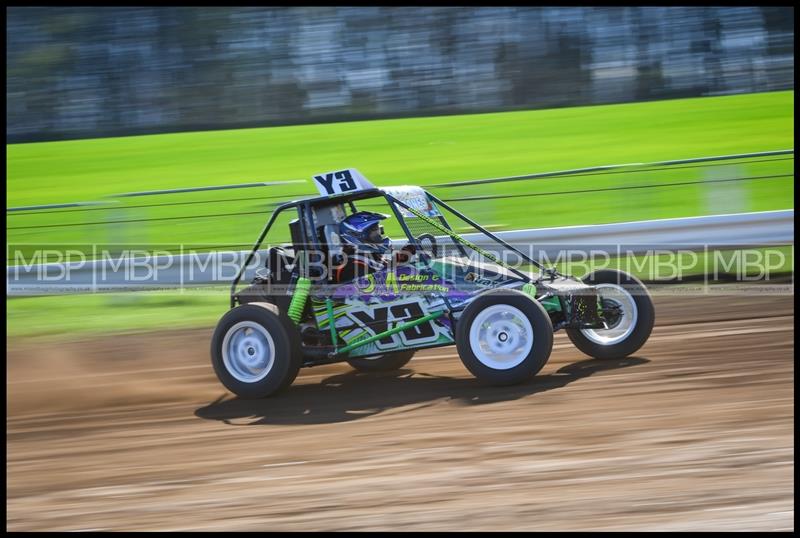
(483, 242)
(445, 245)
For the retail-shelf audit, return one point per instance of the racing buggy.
(497, 304)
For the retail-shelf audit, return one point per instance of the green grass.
(76, 316)
(417, 151)
(420, 151)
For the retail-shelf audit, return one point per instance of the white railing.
(692, 233)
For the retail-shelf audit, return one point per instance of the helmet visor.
(375, 234)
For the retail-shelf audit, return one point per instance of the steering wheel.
(434, 249)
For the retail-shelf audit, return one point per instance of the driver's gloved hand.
(405, 254)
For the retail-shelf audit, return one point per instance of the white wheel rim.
(248, 352)
(627, 322)
(501, 337)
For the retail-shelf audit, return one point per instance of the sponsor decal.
(392, 283)
(414, 197)
(480, 281)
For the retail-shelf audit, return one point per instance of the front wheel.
(381, 363)
(255, 350)
(629, 311)
(504, 337)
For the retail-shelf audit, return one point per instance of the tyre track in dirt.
(134, 432)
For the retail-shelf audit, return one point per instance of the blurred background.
(91, 72)
(119, 119)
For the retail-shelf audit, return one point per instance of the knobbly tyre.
(447, 290)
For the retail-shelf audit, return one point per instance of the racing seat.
(270, 283)
(331, 246)
(279, 265)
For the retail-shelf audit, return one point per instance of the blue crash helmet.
(363, 231)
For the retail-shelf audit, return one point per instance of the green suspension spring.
(298, 303)
(530, 289)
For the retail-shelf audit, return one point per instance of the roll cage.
(306, 224)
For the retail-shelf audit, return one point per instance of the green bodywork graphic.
(363, 329)
(402, 327)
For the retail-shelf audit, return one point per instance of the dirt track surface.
(693, 433)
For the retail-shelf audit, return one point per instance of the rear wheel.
(255, 350)
(381, 363)
(504, 337)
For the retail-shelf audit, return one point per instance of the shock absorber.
(298, 303)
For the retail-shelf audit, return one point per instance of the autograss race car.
(449, 289)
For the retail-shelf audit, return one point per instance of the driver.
(365, 246)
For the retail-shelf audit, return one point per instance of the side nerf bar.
(384, 334)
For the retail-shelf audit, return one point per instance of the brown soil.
(134, 432)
